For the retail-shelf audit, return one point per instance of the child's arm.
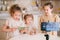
(39, 26)
(6, 28)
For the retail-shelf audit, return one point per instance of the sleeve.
(22, 24)
(7, 23)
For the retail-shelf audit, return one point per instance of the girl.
(31, 29)
(48, 16)
(12, 24)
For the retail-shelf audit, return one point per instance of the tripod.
(47, 36)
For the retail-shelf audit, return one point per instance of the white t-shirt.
(12, 24)
(31, 26)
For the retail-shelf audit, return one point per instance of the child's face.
(47, 10)
(17, 15)
(29, 20)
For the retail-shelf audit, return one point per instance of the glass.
(21, 28)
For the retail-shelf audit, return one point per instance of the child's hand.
(32, 32)
(23, 31)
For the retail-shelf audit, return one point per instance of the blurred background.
(28, 6)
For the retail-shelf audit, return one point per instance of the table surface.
(34, 37)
